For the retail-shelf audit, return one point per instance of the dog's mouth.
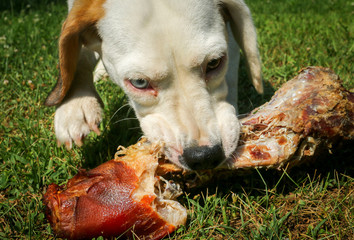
(194, 145)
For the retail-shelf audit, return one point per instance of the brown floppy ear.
(82, 17)
(246, 37)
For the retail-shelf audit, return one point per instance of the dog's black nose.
(203, 157)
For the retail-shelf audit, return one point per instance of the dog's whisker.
(114, 114)
(242, 115)
(129, 110)
(119, 109)
(124, 119)
(133, 128)
(250, 101)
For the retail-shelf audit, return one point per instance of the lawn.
(309, 202)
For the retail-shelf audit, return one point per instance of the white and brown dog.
(171, 58)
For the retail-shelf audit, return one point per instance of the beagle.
(177, 61)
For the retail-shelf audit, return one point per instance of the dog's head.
(170, 58)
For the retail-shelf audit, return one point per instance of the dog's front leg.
(81, 110)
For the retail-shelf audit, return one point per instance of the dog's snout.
(203, 157)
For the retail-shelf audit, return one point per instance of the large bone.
(310, 111)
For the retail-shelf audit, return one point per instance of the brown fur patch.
(83, 15)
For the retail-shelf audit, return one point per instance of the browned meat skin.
(106, 201)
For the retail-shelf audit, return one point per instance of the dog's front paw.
(75, 118)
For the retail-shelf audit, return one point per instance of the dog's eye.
(140, 83)
(213, 64)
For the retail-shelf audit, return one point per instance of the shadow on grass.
(121, 129)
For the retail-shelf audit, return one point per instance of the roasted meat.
(122, 197)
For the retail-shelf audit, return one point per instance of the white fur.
(168, 42)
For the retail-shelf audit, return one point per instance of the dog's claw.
(79, 141)
(68, 145)
(95, 128)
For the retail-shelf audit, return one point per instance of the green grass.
(309, 202)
